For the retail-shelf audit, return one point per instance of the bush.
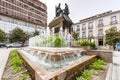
(86, 43)
(98, 64)
(80, 78)
(86, 75)
(15, 61)
(83, 43)
(91, 44)
(57, 41)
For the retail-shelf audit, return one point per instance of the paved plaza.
(4, 54)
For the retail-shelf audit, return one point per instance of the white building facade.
(96, 26)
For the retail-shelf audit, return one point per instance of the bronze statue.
(58, 10)
(66, 10)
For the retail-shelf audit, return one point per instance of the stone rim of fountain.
(45, 75)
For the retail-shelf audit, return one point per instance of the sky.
(80, 9)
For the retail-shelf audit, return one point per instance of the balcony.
(90, 36)
(100, 25)
(100, 35)
(78, 29)
(113, 22)
(83, 37)
(90, 27)
(83, 28)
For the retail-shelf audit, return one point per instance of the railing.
(83, 28)
(90, 27)
(100, 25)
(100, 35)
(113, 22)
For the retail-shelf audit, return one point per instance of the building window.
(113, 20)
(90, 33)
(83, 26)
(78, 28)
(100, 21)
(83, 34)
(90, 25)
(100, 32)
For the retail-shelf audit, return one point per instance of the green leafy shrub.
(98, 64)
(83, 43)
(23, 77)
(16, 69)
(86, 43)
(57, 41)
(80, 78)
(91, 44)
(87, 74)
(15, 61)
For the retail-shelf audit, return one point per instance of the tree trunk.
(114, 47)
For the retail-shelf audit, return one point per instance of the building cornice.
(96, 16)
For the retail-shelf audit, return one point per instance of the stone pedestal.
(62, 22)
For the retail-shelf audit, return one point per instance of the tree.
(18, 35)
(36, 32)
(2, 36)
(75, 35)
(112, 37)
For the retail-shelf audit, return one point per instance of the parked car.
(2, 44)
(14, 45)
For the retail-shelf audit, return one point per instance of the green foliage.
(16, 69)
(92, 44)
(18, 35)
(15, 61)
(24, 77)
(112, 36)
(86, 43)
(80, 78)
(2, 36)
(75, 35)
(98, 64)
(57, 41)
(87, 74)
(36, 32)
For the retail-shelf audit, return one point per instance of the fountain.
(48, 62)
(50, 57)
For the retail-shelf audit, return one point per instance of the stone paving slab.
(4, 54)
(116, 65)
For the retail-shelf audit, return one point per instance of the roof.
(97, 16)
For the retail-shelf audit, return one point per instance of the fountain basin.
(70, 66)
